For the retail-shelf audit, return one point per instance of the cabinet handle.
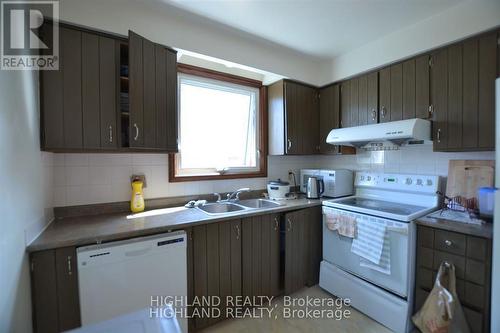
(237, 227)
(136, 132)
(70, 271)
(439, 135)
(383, 112)
(276, 224)
(289, 225)
(374, 114)
(111, 134)
(289, 144)
(448, 242)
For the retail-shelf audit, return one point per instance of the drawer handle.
(448, 242)
(136, 132)
(70, 270)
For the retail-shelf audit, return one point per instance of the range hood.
(383, 136)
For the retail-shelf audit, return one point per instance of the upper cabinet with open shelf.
(110, 94)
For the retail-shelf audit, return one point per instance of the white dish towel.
(372, 245)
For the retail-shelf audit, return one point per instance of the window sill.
(172, 178)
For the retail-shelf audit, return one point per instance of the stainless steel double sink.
(225, 207)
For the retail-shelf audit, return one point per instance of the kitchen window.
(221, 127)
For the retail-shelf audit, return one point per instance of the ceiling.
(319, 28)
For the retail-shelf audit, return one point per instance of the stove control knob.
(420, 182)
(429, 182)
(362, 177)
(368, 178)
(408, 181)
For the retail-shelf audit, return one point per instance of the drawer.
(458, 261)
(477, 248)
(450, 242)
(474, 319)
(474, 295)
(425, 237)
(475, 271)
(425, 257)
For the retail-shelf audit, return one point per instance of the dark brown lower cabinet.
(55, 290)
(241, 257)
(303, 243)
(261, 255)
(471, 257)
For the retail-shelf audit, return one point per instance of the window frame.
(173, 159)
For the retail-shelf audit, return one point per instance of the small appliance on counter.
(315, 188)
(336, 182)
(278, 189)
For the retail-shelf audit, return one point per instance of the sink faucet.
(219, 199)
(236, 194)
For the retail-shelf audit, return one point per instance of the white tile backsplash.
(98, 178)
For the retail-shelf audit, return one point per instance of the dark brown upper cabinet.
(359, 100)
(293, 118)
(85, 104)
(329, 116)
(462, 94)
(152, 95)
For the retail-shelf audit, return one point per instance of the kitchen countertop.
(85, 230)
(484, 230)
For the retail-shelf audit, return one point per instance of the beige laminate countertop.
(85, 230)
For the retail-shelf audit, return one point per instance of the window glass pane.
(217, 125)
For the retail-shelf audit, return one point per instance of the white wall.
(97, 178)
(410, 160)
(171, 26)
(26, 199)
(458, 22)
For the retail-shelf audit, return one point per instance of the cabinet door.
(363, 112)
(295, 252)
(200, 288)
(396, 109)
(313, 219)
(409, 81)
(329, 114)
(99, 92)
(44, 292)
(422, 87)
(487, 75)
(152, 95)
(54, 281)
(385, 95)
(470, 93)
(260, 255)
(345, 102)
(354, 104)
(108, 74)
(61, 91)
(439, 98)
(372, 98)
(67, 288)
(454, 119)
(293, 117)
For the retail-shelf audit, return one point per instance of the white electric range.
(390, 202)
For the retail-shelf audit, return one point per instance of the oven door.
(337, 250)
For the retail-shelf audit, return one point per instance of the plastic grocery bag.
(442, 312)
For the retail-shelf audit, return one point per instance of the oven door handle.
(401, 230)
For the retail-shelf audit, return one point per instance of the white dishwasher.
(121, 277)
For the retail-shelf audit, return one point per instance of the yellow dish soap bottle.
(137, 201)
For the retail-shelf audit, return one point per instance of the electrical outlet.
(139, 176)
